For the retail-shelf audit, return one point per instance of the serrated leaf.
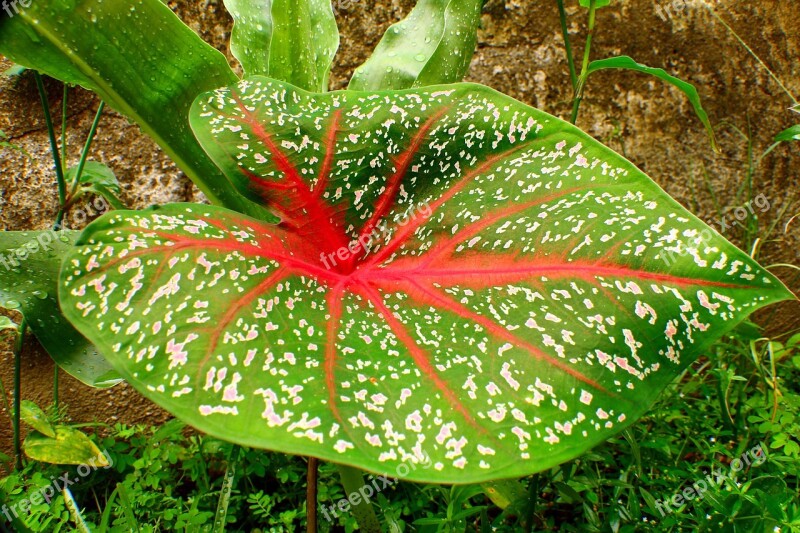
(288, 40)
(29, 265)
(433, 45)
(457, 278)
(69, 447)
(789, 134)
(628, 63)
(152, 81)
(31, 414)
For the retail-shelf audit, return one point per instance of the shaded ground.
(520, 53)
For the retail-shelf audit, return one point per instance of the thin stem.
(752, 53)
(353, 481)
(18, 393)
(86, 147)
(587, 51)
(573, 75)
(311, 495)
(62, 184)
(64, 103)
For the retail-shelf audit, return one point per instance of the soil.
(521, 53)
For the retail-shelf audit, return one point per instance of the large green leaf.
(628, 63)
(456, 276)
(289, 40)
(29, 265)
(108, 47)
(433, 45)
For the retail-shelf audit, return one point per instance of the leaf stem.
(18, 393)
(573, 75)
(62, 184)
(86, 147)
(311, 495)
(64, 104)
(576, 104)
(352, 481)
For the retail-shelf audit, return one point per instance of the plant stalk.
(587, 51)
(573, 75)
(87, 147)
(18, 393)
(62, 184)
(353, 481)
(311, 495)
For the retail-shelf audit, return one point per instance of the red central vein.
(403, 162)
(492, 218)
(520, 271)
(317, 215)
(417, 354)
(330, 154)
(335, 306)
(503, 334)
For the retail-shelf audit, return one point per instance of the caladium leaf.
(433, 45)
(289, 40)
(461, 288)
(29, 266)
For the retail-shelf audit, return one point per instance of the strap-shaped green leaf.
(107, 47)
(628, 63)
(433, 45)
(288, 40)
(789, 134)
(29, 265)
(461, 288)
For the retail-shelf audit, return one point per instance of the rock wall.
(521, 53)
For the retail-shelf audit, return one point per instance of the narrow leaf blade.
(789, 134)
(288, 40)
(628, 63)
(433, 45)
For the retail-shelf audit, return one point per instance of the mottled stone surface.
(520, 53)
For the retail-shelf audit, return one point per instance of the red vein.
(491, 275)
(403, 162)
(212, 246)
(415, 223)
(275, 278)
(448, 245)
(503, 334)
(327, 233)
(330, 153)
(417, 354)
(335, 306)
